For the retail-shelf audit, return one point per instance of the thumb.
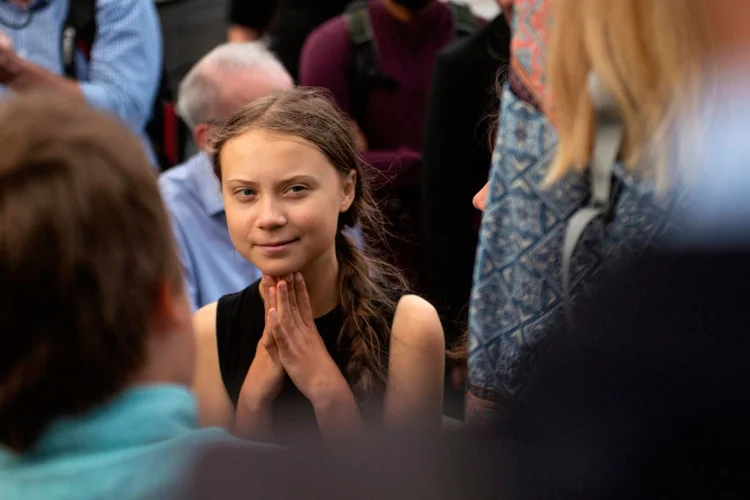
(267, 340)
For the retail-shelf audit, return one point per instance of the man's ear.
(171, 308)
(200, 134)
(349, 191)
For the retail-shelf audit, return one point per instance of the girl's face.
(282, 199)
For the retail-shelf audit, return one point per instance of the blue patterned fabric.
(123, 74)
(517, 294)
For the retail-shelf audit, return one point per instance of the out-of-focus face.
(480, 199)
(282, 199)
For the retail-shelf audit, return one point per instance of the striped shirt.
(123, 73)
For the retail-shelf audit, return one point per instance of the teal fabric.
(136, 446)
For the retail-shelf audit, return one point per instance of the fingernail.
(282, 286)
(290, 278)
(298, 277)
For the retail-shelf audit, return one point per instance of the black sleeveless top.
(240, 320)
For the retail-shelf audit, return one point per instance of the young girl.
(328, 334)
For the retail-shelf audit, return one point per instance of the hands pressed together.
(290, 344)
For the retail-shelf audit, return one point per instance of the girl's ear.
(349, 191)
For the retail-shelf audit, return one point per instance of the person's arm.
(414, 393)
(215, 409)
(126, 61)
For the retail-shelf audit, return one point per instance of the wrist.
(329, 391)
(254, 403)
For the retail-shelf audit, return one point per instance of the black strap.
(366, 74)
(608, 137)
(79, 30)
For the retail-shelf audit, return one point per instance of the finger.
(266, 284)
(267, 339)
(277, 331)
(293, 308)
(272, 299)
(283, 307)
(303, 300)
(269, 343)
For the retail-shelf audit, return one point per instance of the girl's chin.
(278, 269)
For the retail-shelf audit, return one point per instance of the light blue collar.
(208, 186)
(140, 415)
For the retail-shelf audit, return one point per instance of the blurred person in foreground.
(648, 56)
(223, 81)
(97, 348)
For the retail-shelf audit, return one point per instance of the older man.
(224, 80)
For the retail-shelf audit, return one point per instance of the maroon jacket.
(406, 52)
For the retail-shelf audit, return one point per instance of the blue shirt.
(136, 446)
(123, 74)
(517, 294)
(212, 266)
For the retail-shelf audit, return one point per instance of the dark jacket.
(287, 22)
(462, 110)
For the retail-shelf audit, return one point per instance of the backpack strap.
(366, 74)
(607, 143)
(464, 22)
(78, 32)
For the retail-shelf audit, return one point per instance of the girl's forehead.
(263, 155)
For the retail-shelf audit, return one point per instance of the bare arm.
(414, 394)
(214, 406)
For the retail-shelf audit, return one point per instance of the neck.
(321, 280)
(400, 12)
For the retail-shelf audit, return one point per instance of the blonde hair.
(647, 53)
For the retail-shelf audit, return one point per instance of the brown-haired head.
(85, 249)
(365, 284)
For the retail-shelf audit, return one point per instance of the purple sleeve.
(326, 59)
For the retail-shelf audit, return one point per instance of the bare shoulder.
(417, 323)
(204, 323)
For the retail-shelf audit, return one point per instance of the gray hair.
(198, 91)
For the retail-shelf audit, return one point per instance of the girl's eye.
(298, 189)
(244, 193)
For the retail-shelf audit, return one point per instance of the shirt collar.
(143, 414)
(208, 187)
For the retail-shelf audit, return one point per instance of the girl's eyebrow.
(288, 180)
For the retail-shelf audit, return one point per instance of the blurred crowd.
(375, 249)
